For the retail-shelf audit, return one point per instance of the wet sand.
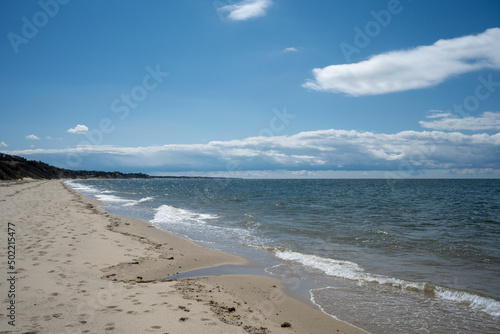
(80, 270)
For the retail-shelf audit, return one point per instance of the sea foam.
(476, 302)
(113, 199)
(81, 187)
(352, 271)
(142, 200)
(167, 214)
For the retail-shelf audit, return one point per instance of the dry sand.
(80, 270)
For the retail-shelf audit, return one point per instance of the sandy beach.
(69, 267)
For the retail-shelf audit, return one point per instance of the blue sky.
(254, 88)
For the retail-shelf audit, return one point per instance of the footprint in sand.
(110, 326)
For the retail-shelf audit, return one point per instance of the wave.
(202, 227)
(103, 195)
(476, 302)
(81, 187)
(142, 200)
(112, 199)
(249, 222)
(167, 214)
(352, 271)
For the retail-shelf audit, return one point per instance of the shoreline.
(82, 270)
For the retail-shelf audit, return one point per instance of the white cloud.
(246, 9)
(3, 144)
(438, 114)
(291, 49)
(80, 129)
(302, 173)
(486, 121)
(32, 137)
(313, 150)
(403, 70)
(52, 138)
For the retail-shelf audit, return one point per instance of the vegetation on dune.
(14, 168)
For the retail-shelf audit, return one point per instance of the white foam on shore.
(81, 187)
(112, 199)
(348, 270)
(201, 227)
(104, 195)
(476, 302)
(142, 200)
(167, 214)
(352, 271)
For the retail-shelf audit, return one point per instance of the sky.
(254, 88)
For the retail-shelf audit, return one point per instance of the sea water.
(413, 256)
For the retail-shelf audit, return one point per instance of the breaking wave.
(352, 271)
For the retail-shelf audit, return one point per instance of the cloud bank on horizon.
(418, 68)
(411, 152)
(447, 121)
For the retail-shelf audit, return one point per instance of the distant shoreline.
(15, 168)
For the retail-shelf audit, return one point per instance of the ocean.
(387, 256)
